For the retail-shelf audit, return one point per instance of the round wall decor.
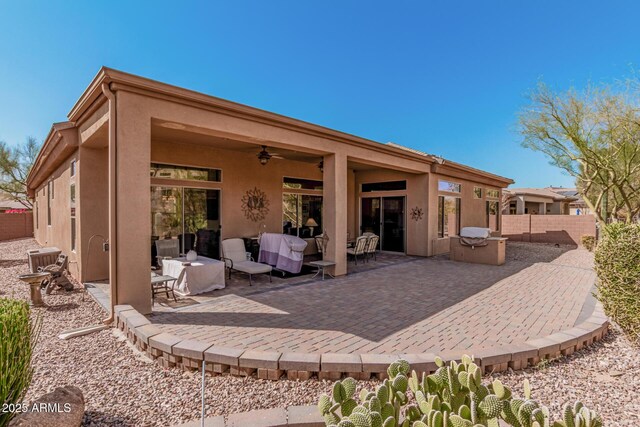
(255, 204)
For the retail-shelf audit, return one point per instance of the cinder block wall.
(516, 227)
(14, 226)
(561, 229)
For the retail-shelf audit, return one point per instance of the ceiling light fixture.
(264, 156)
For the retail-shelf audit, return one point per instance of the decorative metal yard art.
(416, 214)
(255, 205)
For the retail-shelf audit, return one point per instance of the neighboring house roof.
(570, 192)
(11, 204)
(541, 192)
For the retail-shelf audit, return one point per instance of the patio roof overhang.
(59, 144)
(416, 162)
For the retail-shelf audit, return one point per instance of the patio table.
(322, 266)
(202, 275)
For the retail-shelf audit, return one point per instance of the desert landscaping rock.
(63, 407)
(122, 388)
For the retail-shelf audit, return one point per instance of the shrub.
(18, 335)
(588, 242)
(453, 396)
(617, 264)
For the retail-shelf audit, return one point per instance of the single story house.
(139, 160)
(535, 201)
(12, 206)
(576, 206)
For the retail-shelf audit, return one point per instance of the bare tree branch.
(15, 164)
(595, 137)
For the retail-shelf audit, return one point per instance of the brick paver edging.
(172, 351)
(293, 416)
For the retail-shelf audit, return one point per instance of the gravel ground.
(547, 252)
(121, 387)
(605, 377)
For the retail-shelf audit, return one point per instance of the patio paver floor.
(396, 305)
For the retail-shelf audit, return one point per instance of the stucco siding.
(56, 191)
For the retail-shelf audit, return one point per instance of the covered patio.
(145, 161)
(209, 157)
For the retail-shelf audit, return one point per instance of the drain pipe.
(113, 222)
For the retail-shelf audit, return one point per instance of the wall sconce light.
(321, 165)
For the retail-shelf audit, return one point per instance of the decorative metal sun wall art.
(255, 204)
(416, 214)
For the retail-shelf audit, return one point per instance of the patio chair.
(189, 240)
(235, 258)
(358, 248)
(167, 248)
(160, 284)
(372, 246)
(57, 279)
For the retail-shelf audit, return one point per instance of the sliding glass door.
(191, 215)
(393, 224)
(385, 216)
(371, 215)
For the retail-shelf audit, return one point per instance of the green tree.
(15, 164)
(594, 136)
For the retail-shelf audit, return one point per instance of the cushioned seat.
(251, 267)
(236, 258)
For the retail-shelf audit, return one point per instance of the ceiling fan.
(264, 156)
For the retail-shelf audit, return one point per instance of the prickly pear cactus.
(453, 396)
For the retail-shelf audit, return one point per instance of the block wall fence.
(560, 229)
(16, 225)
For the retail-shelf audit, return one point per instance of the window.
(448, 216)
(301, 214)
(449, 186)
(190, 215)
(73, 168)
(72, 203)
(159, 170)
(494, 194)
(49, 186)
(492, 215)
(384, 186)
(477, 192)
(301, 184)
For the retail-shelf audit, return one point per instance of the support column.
(334, 216)
(520, 205)
(133, 204)
(417, 229)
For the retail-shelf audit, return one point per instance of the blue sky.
(444, 77)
